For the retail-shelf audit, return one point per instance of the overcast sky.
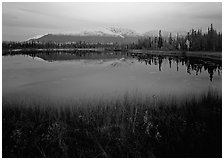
(21, 21)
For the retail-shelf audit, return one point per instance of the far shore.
(204, 54)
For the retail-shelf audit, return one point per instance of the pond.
(75, 75)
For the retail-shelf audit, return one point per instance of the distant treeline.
(195, 40)
(56, 45)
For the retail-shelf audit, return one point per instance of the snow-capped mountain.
(102, 31)
(62, 38)
(98, 32)
(103, 35)
(123, 32)
(109, 31)
(37, 37)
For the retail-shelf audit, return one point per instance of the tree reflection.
(193, 64)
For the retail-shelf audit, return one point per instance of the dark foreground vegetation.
(127, 127)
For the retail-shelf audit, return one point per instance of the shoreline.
(199, 54)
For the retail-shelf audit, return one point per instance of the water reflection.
(193, 64)
(51, 56)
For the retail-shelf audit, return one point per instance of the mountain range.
(102, 35)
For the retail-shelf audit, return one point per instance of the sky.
(24, 20)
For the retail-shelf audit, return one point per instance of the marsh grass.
(128, 127)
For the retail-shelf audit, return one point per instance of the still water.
(91, 75)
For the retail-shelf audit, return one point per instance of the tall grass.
(127, 127)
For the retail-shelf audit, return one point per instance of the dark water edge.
(127, 127)
(196, 54)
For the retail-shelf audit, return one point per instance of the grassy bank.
(128, 127)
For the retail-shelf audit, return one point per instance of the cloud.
(142, 17)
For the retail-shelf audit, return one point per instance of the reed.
(127, 127)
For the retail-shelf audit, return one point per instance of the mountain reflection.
(51, 56)
(193, 64)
